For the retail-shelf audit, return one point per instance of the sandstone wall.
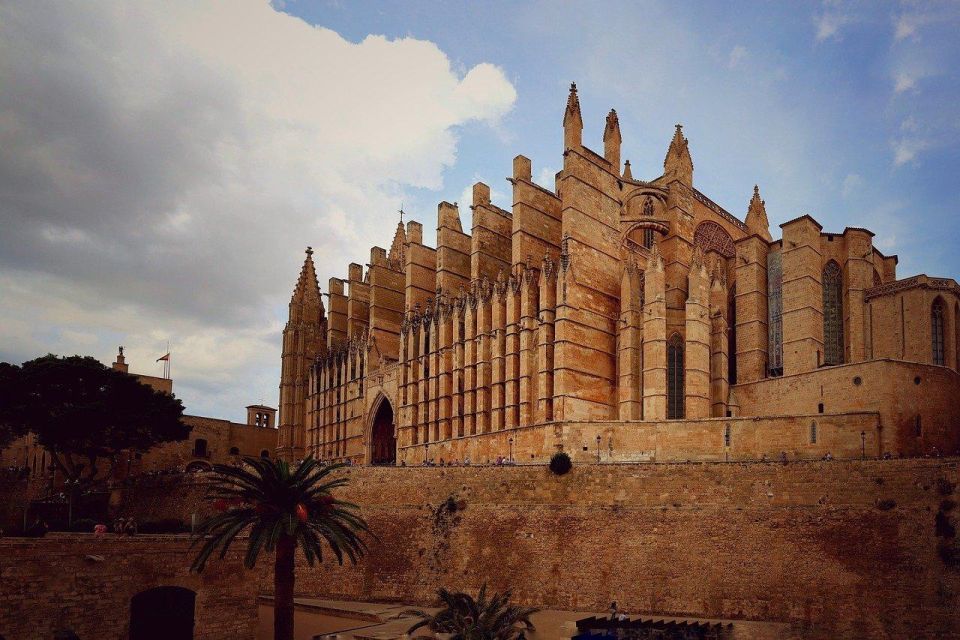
(75, 581)
(849, 549)
(919, 404)
(801, 437)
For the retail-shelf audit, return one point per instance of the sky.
(163, 165)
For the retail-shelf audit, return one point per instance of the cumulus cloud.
(165, 163)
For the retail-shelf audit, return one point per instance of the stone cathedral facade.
(619, 319)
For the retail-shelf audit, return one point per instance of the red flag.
(164, 357)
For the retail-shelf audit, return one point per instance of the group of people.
(121, 527)
(431, 462)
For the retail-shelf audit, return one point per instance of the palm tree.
(282, 509)
(481, 619)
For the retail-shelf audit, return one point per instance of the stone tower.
(304, 338)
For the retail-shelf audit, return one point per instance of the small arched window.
(200, 448)
(234, 451)
(675, 381)
(832, 314)
(937, 325)
(813, 432)
(264, 454)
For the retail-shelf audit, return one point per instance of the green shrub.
(560, 463)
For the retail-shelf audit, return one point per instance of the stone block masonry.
(840, 549)
(77, 582)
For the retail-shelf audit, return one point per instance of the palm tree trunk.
(283, 577)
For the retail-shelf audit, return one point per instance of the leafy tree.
(283, 509)
(492, 618)
(82, 413)
(9, 399)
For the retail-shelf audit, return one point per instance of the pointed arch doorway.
(383, 442)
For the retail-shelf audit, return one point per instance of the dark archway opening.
(383, 448)
(162, 613)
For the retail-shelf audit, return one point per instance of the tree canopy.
(80, 411)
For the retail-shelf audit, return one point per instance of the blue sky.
(845, 111)
(163, 165)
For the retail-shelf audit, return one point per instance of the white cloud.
(907, 25)
(829, 23)
(905, 149)
(737, 54)
(198, 148)
(851, 184)
(547, 178)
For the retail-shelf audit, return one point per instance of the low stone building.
(621, 318)
(122, 587)
(211, 441)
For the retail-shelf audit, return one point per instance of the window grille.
(813, 433)
(775, 314)
(936, 324)
(832, 314)
(675, 382)
(726, 436)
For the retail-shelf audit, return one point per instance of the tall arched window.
(937, 323)
(832, 313)
(775, 314)
(675, 388)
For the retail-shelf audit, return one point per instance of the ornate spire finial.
(401, 213)
(756, 220)
(678, 165)
(572, 120)
(309, 251)
(627, 173)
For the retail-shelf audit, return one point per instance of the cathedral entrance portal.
(383, 443)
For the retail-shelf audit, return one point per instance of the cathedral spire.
(612, 140)
(307, 291)
(757, 216)
(627, 173)
(678, 165)
(572, 120)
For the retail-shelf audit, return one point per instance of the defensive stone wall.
(78, 582)
(844, 549)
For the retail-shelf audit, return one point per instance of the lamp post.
(863, 445)
(511, 449)
(598, 448)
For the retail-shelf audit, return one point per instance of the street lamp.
(598, 448)
(863, 445)
(511, 449)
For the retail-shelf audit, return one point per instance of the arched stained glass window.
(675, 387)
(832, 280)
(775, 314)
(937, 323)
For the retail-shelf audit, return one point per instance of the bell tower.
(304, 338)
